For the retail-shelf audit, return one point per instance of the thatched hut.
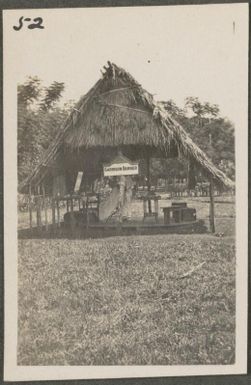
(117, 114)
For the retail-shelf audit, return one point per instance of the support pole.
(30, 206)
(122, 182)
(156, 209)
(58, 213)
(71, 204)
(53, 211)
(72, 219)
(38, 201)
(45, 208)
(87, 211)
(211, 214)
(144, 209)
(148, 182)
(98, 203)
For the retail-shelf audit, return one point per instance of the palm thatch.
(118, 112)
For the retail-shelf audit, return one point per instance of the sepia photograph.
(126, 191)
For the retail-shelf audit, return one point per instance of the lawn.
(127, 301)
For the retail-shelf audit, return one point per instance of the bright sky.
(174, 51)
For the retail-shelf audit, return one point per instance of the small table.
(148, 210)
(179, 213)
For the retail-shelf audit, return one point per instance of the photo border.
(222, 379)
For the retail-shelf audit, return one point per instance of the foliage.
(52, 94)
(227, 166)
(168, 169)
(212, 133)
(39, 119)
(201, 109)
(29, 92)
(173, 109)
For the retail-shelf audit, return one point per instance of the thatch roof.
(118, 112)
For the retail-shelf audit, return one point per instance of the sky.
(172, 51)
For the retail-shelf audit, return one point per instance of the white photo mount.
(39, 51)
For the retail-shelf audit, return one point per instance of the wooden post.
(156, 208)
(53, 211)
(38, 204)
(211, 213)
(122, 182)
(58, 213)
(211, 194)
(87, 211)
(148, 182)
(144, 209)
(45, 208)
(72, 219)
(30, 206)
(98, 203)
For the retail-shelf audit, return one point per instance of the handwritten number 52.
(37, 23)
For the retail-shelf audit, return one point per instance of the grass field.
(124, 300)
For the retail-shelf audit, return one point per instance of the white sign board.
(118, 169)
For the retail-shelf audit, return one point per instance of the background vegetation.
(40, 116)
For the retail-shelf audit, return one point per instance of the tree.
(52, 94)
(211, 110)
(212, 133)
(228, 167)
(29, 92)
(195, 105)
(39, 119)
(171, 107)
(203, 112)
